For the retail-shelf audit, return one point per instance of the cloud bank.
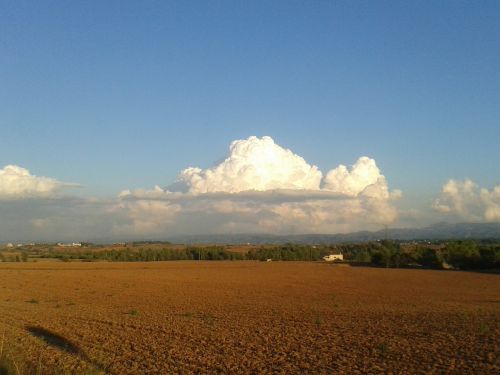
(260, 187)
(18, 183)
(466, 200)
(263, 187)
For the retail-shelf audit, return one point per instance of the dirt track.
(250, 317)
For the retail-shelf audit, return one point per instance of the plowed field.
(248, 318)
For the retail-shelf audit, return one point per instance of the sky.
(147, 119)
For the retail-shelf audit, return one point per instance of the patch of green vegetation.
(484, 328)
(207, 318)
(335, 301)
(383, 348)
(34, 301)
(133, 313)
(186, 315)
(93, 372)
(318, 321)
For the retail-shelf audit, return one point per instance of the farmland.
(246, 317)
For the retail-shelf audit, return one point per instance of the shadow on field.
(57, 341)
(53, 339)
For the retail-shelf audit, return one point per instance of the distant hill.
(439, 231)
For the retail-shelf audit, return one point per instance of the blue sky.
(121, 95)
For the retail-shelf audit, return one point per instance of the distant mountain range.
(439, 231)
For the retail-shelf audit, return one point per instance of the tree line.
(464, 255)
(453, 254)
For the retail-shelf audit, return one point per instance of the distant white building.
(10, 244)
(332, 257)
(74, 244)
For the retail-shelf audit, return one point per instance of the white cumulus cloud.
(263, 187)
(491, 202)
(466, 200)
(364, 177)
(254, 164)
(18, 183)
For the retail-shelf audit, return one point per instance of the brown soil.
(249, 318)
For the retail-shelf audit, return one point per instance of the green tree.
(389, 253)
(463, 254)
(427, 257)
(363, 256)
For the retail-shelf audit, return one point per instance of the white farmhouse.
(74, 244)
(332, 257)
